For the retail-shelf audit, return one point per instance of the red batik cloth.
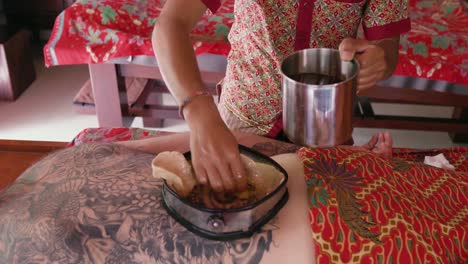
(367, 209)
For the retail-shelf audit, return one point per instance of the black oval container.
(228, 224)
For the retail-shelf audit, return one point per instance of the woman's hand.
(377, 59)
(215, 151)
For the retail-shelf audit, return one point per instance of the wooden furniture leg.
(106, 94)
(149, 105)
(16, 64)
(157, 99)
(461, 114)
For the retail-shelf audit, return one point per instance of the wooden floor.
(16, 156)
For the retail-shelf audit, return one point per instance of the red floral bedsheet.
(94, 31)
(366, 209)
(436, 48)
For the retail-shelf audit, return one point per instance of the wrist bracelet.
(190, 99)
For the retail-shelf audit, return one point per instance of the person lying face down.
(380, 143)
(99, 203)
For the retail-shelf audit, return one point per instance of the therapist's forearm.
(176, 58)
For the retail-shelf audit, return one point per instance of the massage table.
(106, 193)
(113, 38)
(97, 232)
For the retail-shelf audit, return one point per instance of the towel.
(438, 161)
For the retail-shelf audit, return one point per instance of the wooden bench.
(17, 155)
(457, 126)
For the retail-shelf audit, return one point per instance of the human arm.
(378, 53)
(216, 158)
(377, 59)
(173, 47)
(181, 142)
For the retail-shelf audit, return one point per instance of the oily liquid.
(205, 197)
(315, 78)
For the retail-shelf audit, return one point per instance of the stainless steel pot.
(318, 114)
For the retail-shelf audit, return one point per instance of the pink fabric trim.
(349, 1)
(388, 30)
(50, 55)
(304, 24)
(213, 5)
(277, 128)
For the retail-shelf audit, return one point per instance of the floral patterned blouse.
(266, 31)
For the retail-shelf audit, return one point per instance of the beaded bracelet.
(190, 99)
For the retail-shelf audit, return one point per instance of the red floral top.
(265, 32)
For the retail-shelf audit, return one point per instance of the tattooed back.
(99, 204)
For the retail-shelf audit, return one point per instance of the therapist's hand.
(377, 59)
(215, 151)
